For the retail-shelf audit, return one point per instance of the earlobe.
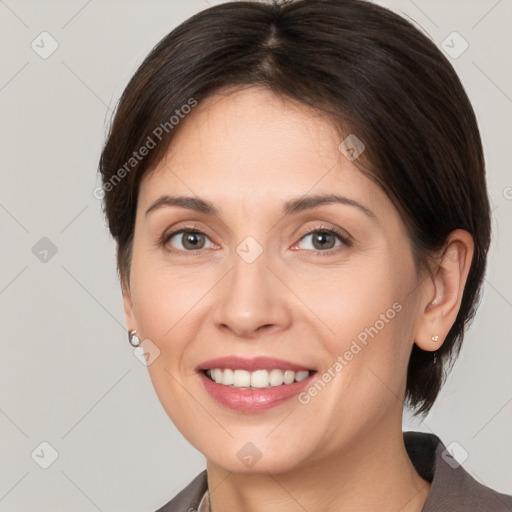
(440, 309)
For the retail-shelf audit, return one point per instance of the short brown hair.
(376, 76)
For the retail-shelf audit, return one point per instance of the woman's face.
(269, 277)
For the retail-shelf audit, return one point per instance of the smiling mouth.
(258, 379)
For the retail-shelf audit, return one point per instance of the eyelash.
(346, 242)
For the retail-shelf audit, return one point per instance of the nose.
(252, 300)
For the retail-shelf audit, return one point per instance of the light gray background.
(67, 373)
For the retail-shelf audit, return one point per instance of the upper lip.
(250, 365)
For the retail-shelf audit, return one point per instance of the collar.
(452, 487)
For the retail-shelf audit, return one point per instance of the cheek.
(369, 313)
(165, 305)
(366, 295)
(165, 296)
(159, 302)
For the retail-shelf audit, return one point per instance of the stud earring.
(435, 338)
(133, 338)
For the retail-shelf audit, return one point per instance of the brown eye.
(187, 240)
(324, 240)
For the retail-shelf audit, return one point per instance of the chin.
(277, 464)
(253, 454)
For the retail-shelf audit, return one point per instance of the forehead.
(250, 145)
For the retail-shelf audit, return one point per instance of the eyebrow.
(290, 207)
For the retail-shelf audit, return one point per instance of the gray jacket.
(452, 489)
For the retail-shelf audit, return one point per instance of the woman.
(298, 197)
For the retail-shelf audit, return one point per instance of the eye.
(190, 239)
(324, 240)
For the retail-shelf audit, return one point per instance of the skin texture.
(248, 152)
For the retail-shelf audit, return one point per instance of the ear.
(443, 291)
(128, 307)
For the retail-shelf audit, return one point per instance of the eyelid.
(343, 236)
(164, 239)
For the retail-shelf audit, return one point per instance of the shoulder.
(188, 499)
(452, 487)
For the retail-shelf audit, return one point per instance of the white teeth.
(217, 375)
(242, 379)
(258, 379)
(289, 377)
(228, 377)
(276, 377)
(301, 375)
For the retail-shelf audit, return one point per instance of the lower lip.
(253, 400)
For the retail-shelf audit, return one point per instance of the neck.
(373, 473)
